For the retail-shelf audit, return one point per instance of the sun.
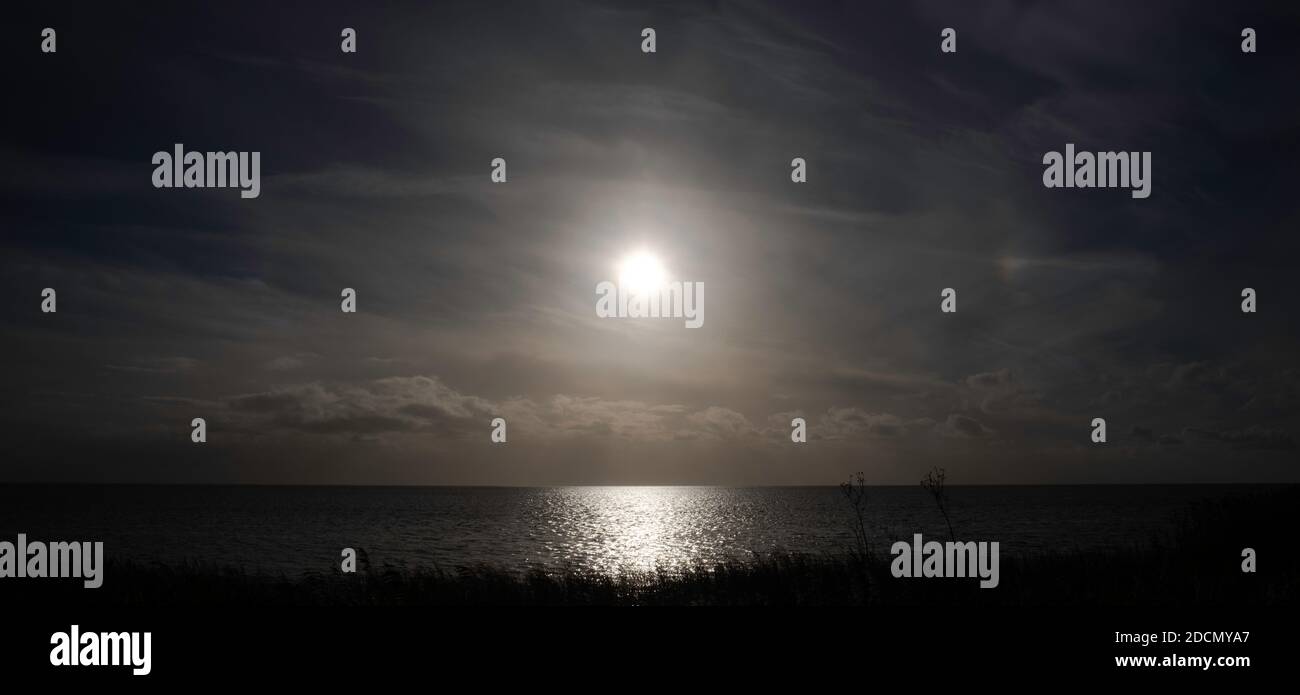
(641, 272)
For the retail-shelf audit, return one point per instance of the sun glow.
(641, 272)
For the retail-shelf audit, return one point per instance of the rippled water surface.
(293, 529)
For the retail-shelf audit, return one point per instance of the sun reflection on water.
(615, 529)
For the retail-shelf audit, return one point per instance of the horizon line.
(595, 485)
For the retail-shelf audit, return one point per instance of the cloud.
(958, 425)
(286, 363)
(1001, 392)
(1199, 374)
(722, 423)
(1253, 437)
(989, 381)
(424, 404)
(158, 365)
(389, 405)
(855, 423)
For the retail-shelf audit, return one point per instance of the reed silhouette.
(933, 484)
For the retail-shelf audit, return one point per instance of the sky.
(476, 300)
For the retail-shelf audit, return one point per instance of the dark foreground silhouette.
(1199, 563)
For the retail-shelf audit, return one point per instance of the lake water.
(296, 529)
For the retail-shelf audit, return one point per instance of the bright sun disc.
(641, 272)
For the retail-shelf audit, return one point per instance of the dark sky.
(476, 300)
